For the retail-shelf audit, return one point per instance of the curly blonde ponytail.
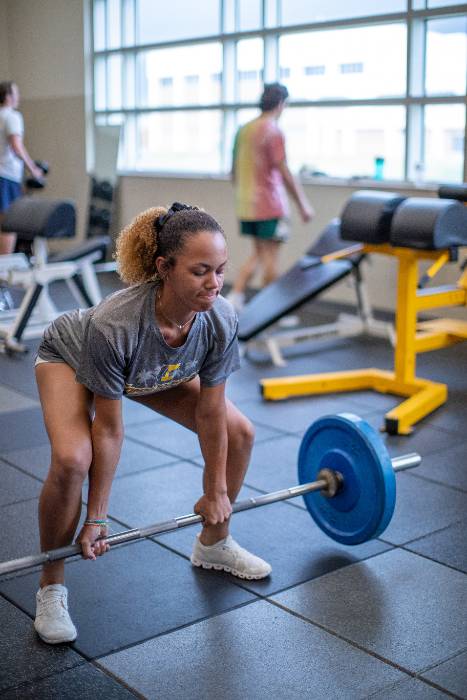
(137, 247)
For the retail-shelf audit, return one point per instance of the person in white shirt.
(13, 157)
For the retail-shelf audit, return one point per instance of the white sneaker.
(227, 555)
(237, 299)
(53, 622)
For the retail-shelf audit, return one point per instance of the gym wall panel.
(46, 59)
(4, 43)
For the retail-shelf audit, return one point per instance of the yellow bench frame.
(424, 395)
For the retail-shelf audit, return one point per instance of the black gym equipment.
(302, 283)
(36, 220)
(346, 478)
(35, 183)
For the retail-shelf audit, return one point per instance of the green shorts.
(268, 230)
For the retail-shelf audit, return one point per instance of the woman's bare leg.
(67, 407)
(179, 404)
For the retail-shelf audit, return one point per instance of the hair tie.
(176, 207)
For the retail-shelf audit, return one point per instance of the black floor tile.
(403, 607)
(413, 689)
(16, 486)
(295, 415)
(449, 546)
(258, 651)
(134, 457)
(179, 442)
(17, 371)
(23, 657)
(273, 464)
(82, 683)
(425, 439)
(423, 507)
(446, 467)
(452, 415)
(22, 429)
(131, 594)
(451, 675)
(288, 539)
(20, 530)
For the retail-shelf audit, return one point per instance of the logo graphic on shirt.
(168, 372)
(162, 377)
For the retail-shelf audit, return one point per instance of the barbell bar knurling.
(408, 461)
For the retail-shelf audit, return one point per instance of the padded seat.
(367, 216)
(429, 224)
(46, 218)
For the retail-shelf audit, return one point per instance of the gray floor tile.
(398, 605)
(156, 495)
(413, 689)
(449, 546)
(446, 467)
(288, 539)
(16, 486)
(451, 675)
(177, 442)
(258, 651)
(426, 439)
(297, 414)
(134, 457)
(131, 594)
(23, 656)
(451, 415)
(33, 460)
(13, 401)
(82, 683)
(423, 507)
(17, 371)
(273, 464)
(22, 428)
(167, 436)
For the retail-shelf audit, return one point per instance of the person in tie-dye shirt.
(262, 178)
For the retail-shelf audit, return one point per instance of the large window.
(367, 80)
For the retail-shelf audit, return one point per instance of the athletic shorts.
(267, 230)
(9, 191)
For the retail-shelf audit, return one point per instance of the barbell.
(347, 480)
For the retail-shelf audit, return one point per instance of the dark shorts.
(268, 230)
(9, 191)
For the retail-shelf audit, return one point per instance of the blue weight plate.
(364, 506)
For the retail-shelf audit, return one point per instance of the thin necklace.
(180, 326)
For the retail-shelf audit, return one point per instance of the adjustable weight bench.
(409, 230)
(37, 220)
(328, 261)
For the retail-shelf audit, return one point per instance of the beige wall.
(4, 57)
(46, 59)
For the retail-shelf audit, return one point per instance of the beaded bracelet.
(96, 523)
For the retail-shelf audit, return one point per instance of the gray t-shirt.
(117, 348)
(11, 123)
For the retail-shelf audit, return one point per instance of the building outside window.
(365, 80)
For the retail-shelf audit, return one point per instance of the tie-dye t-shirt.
(259, 189)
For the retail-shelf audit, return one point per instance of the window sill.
(318, 181)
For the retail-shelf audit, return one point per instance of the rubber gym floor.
(383, 620)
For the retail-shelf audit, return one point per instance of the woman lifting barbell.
(168, 341)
